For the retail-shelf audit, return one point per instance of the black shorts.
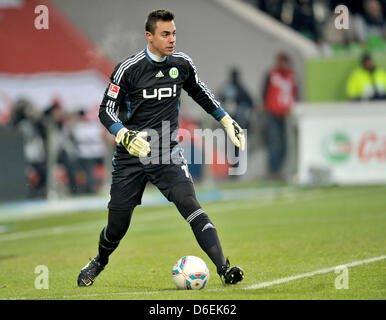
(129, 179)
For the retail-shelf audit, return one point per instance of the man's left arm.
(204, 97)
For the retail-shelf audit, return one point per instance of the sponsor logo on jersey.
(173, 73)
(160, 93)
(113, 91)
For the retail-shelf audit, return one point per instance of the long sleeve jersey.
(142, 93)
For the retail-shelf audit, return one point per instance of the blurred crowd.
(315, 20)
(66, 152)
(63, 152)
(277, 98)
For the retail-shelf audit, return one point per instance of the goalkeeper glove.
(235, 133)
(134, 142)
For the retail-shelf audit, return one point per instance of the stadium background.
(70, 63)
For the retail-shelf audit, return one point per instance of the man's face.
(163, 40)
(374, 8)
(283, 64)
(368, 64)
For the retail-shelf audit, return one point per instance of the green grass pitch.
(293, 232)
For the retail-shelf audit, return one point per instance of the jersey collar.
(153, 58)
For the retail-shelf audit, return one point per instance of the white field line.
(287, 197)
(313, 273)
(252, 287)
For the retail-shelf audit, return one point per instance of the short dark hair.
(283, 56)
(366, 56)
(156, 15)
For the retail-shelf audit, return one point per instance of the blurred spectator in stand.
(67, 156)
(371, 26)
(367, 82)
(272, 7)
(236, 100)
(90, 145)
(25, 119)
(62, 150)
(279, 94)
(303, 19)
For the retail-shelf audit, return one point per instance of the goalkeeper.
(144, 94)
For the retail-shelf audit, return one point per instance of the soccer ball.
(190, 273)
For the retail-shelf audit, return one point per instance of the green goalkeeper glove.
(235, 133)
(134, 142)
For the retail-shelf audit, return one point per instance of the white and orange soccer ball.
(190, 273)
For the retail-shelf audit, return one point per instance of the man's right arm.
(202, 95)
(112, 99)
(133, 141)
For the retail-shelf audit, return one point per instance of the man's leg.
(110, 236)
(283, 141)
(273, 143)
(184, 197)
(176, 184)
(126, 192)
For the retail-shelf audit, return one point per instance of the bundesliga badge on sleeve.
(113, 91)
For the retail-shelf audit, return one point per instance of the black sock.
(105, 247)
(111, 235)
(184, 197)
(207, 238)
